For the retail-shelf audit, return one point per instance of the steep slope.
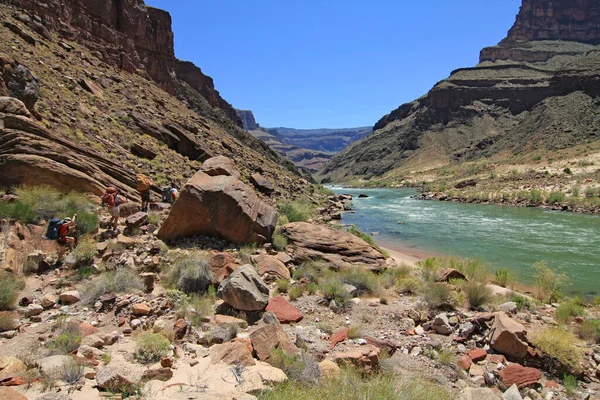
(69, 65)
(536, 90)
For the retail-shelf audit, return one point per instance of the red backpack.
(109, 196)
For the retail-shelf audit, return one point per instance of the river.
(502, 236)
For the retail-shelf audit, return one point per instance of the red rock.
(410, 331)
(248, 343)
(159, 374)
(450, 273)
(86, 329)
(477, 354)
(7, 393)
(465, 362)
(12, 380)
(271, 337)
(270, 268)
(219, 206)
(480, 318)
(338, 337)
(497, 358)
(140, 309)
(180, 328)
(122, 320)
(519, 375)
(509, 337)
(222, 266)
(229, 320)
(284, 311)
(364, 357)
(551, 384)
(166, 362)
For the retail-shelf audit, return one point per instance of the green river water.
(502, 236)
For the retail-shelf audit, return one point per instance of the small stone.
(415, 351)
(477, 354)
(33, 310)
(69, 297)
(475, 370)
(141, 309)
(465, 362)
(512, 393)
(48, 300)
(135, 323)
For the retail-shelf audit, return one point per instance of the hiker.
(113, 200)
(64, 239)
(174, 193)
(143, 186)
(169, 194)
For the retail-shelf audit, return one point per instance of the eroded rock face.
(339, 248)
(219, 206)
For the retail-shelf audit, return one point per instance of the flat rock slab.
(520, 375)
(283, 310)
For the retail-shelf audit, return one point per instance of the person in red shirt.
(64, 239)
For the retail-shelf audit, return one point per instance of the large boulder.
(508, 337)
(119, 377)
(219, 206)
(232, 353)
(244, 290)
(339, 248)
(271, 337)
(220, 165)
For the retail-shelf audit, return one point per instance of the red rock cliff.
(128, 35)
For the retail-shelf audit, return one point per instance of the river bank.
(503, 237)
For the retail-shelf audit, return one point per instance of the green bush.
(566, 311)
(192, 273)
(66, 342)
(119, 281)
(10, 286)
(195, 307)
(523, 303)
(558, 344)
(392, 276)
(430, 269)
(332, 289)
(504, 277)
(570, 383)
(151, 347)
(297, 211)
(356, 232)
(550, 283)
(589, 330)
(473, 268)
(536, 196)
(438, 295)
(43, 202)
(409, 285)
(477, 293)
(312, 288)
(590, 192)
(84, 253)
(282, 285)
(279, 242)
(246, 251)
(556, 197)
(311, 270)
(365, 281)
(296, 292)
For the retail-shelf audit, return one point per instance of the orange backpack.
(143, 183)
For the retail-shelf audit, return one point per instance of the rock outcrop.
(219, 206)
(545, 70)
(339, 248)
(248, 121)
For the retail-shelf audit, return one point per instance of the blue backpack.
(53, 228)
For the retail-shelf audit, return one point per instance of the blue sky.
(332, 63)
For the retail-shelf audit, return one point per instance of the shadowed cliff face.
(130, 36)
(518, 91)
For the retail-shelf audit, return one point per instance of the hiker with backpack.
(169, 194)
(64, 239)
(143, 186)
(113, 200)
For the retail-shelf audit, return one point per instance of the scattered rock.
(479, 394)
(329, 369)
(228, 320)
(157, 374)
(244, 290)
(271, 337)
(118, 377)
(520, 375)
(285, 312)
(365, 357)
(136, 220)
(338, 337)
(32, 310)
(477, 354)
(48, 300)
(508, 307)
(465, 362)
(450, 273)
(508, 337)
(11, 365)
(261, 183)
(232, 353)
(141, 309)
(441, 324)
(69, 297)
(512, 393)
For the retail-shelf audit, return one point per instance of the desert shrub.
(558, 344)
(311, 270)
(312, 288)
(446, 356)
(355, 331)
(352, 385)
(282, 285)
(391, 276)
(477, 293)
(279, 242)
(71, 371)
(568, 310)
(589, 330)
(473, 268)
(44, 202)
(556, 197)
(118, 281)
(409, 285)
(151, 347)
(84, 252)
(550, 283)
(590, 192)
(536, 196)
(320, 189)
(504, 277)
(332, 289)
(7, 321)
(438, 295)
(296, 292)
(195, 306)
(576, 192)
(191, 274)
(523, 303)
(246, 251)
(10, 286)
(364, 280)
(570, 383)
(66, 342)
(325, 327)
(298, 367)
(430, 269)
(297, 211)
